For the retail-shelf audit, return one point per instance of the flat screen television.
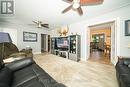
(62, 43)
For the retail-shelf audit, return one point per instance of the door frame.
(113, 29)
(47, 42)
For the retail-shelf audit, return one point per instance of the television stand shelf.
(68, 47)
(64, 54)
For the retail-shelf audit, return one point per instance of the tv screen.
(62, 42)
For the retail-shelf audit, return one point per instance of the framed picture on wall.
(127, 28)
(29, 37)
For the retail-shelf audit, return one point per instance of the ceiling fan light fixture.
(39, 25)
(76, 5)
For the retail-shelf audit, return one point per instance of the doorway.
(102, 40)
(45, 43)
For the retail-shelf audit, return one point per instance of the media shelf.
(74, 47)
(70, 46)
(53, 45)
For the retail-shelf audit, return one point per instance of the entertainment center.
(68, 47)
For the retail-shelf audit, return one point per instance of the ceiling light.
(76, 5)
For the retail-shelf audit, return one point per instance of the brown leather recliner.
(10, 50)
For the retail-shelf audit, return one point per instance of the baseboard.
(83, 59)
(36, 52)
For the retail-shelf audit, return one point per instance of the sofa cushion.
(19, 64)
(33, 72)
(125, 80)
(23, 75)
(33, 76)
(31, 83)
(28, 73)
(123, 72)
(5, 77)
(122, 69)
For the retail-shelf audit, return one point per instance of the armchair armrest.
(124, 60)
(19, 64)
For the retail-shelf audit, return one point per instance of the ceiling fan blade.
(68, 1)
(80, 11)
(67, 9)
(45, 25)
(35, 22)
(90, 2)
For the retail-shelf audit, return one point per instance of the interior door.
(43, 43)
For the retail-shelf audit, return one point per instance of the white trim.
(82, 59)
(116, 20)
(113, 41)
(36, 52)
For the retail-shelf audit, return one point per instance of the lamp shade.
(4, 37)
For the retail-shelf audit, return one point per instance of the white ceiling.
(49, 11)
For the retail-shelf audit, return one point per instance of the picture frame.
(29, 37)
(127, 28)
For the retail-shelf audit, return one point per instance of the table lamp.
(4, 38)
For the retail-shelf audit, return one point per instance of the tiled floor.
(78, 74)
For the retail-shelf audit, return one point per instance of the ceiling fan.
(40, 24)
(76, 5)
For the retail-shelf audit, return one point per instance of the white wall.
(36, 46)
(119, 15)
(80, 28)
(20, 27)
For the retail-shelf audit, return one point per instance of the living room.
(33, 18)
